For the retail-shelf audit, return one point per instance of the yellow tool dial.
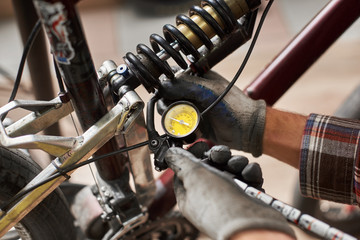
(180, 119)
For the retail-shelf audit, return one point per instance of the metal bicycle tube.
(304, 50)
(73, 57)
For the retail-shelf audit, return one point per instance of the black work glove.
(237, 121)
(220, 157)
(211, 200)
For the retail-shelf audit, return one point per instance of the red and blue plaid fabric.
(329, 159)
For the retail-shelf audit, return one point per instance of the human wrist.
(283, 135)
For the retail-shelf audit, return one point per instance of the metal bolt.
(122, 69)
(154, 142)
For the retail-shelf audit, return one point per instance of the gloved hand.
(214, 203)
(237, 121)
(220, 157)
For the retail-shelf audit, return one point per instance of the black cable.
(70, 168)
(247, 56)
(21, 194)
(150, 108)
(28, 45)
(58, 77)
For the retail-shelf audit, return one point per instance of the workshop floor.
(116, 28)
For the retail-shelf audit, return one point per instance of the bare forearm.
(283, 135)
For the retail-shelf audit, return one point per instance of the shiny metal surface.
(118, 119)
(238, 7)
(45, 113)
(35, 122)
(140, 162)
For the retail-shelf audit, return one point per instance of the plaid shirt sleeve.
(329, 159)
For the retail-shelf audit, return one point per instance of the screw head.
(122, 69)
(154, 143)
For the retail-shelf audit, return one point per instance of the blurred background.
(114, 27)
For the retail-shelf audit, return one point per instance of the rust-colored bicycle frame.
(304, 50)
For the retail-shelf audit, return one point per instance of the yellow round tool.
(180, 119)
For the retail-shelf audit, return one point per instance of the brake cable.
(29, 42)
(65, 170)
(246, 58)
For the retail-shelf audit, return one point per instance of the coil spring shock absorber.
(193, 32)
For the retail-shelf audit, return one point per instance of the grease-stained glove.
(221, 158)
(214, 203)
(237, 121)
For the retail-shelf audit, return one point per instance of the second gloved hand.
(237, 121)
(221, 158)
(211, 200)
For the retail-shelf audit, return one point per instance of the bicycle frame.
(90, 104)
(304, 50)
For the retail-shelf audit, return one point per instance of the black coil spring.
(138, 63)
